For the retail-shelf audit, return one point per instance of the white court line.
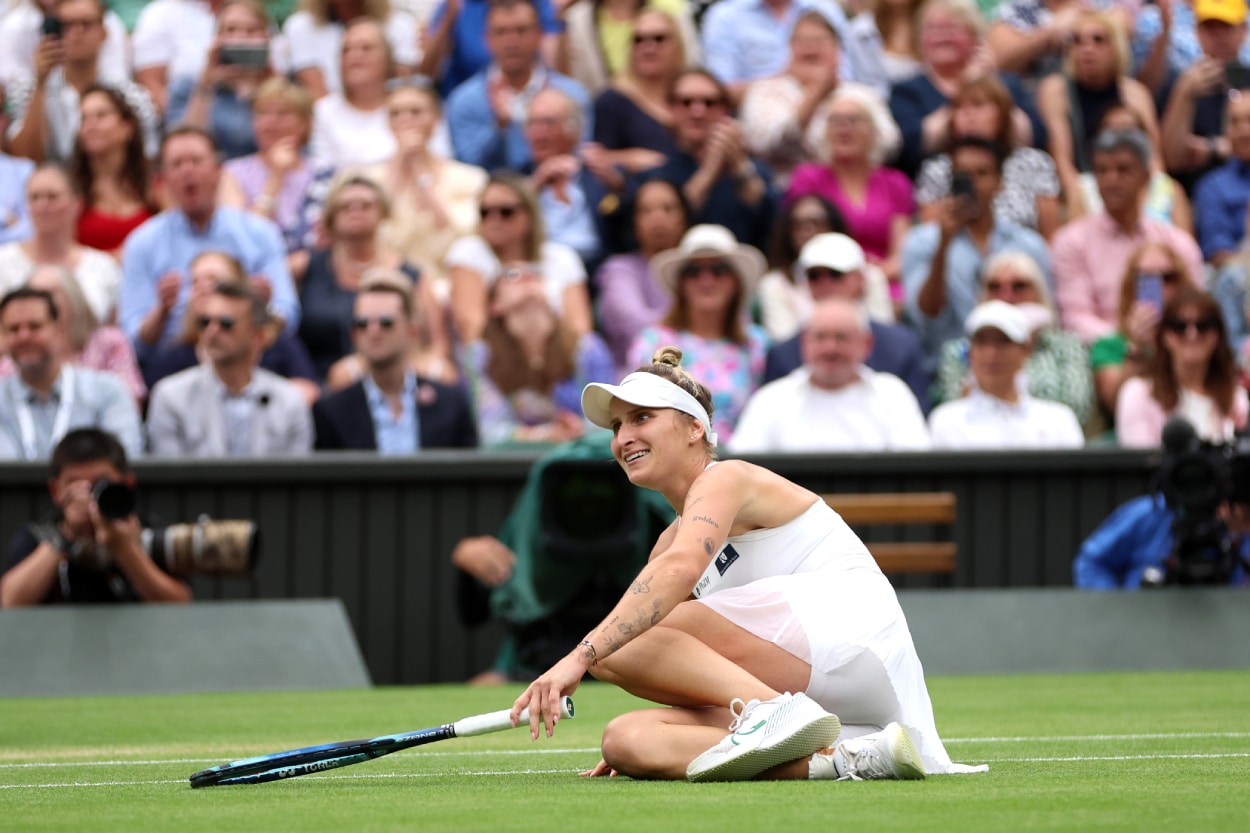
(595, 750)
(1069, 738)
(510, 773)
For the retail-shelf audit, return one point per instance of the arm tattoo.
(705, 519)
(642, 585)
(709, 546)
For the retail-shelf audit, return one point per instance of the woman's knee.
(623, 740)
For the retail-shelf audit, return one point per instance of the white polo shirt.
(981, 421)
(877, 412)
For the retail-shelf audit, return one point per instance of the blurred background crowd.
(256, 228)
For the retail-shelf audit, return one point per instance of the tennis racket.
(296, 762)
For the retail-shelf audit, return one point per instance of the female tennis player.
(757, 589)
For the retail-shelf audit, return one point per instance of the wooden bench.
(902, 509)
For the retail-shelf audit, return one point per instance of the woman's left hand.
(544, 695)
(598, 770)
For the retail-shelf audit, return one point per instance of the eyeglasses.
(1017, 286)
(504, 212)
(821, 273)
(655, 37)
(693, 270)
(710, 102)
(1182, 326)
(386, 322)
(225, 322)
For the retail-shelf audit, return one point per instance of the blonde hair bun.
(667, 356)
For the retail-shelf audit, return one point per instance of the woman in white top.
(782, 587)
(510, 236)
(350, 128)
(433, 197)
(315, 34)
(1192, 374)
(54, 206)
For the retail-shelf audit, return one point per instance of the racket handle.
(481, 724)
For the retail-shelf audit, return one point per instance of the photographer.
(47, 563)
(1190, 531)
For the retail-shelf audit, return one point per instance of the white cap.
(832, 251)
(646, 390)
(1001, 316)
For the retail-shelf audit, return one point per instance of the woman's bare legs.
(675, 664)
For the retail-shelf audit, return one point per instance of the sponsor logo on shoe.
(744, 732)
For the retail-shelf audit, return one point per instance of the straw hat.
(747, 262)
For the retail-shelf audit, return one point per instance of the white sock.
(826, 766)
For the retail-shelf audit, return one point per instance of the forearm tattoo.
(709, 546)
(705, 519)
(642, 585)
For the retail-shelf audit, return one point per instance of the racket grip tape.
(482, 724)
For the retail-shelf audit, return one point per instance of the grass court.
(1078, 752)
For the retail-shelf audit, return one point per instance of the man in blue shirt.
(486, 113)
(942, 260)
(48, 397)
(1221, 195)
(157, 258)
(745, 40)
(1135, 538)
(14, 171)
(455, 46)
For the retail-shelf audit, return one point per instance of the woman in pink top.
(877, 202)
(1192, 375)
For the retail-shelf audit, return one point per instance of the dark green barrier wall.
(378, 534)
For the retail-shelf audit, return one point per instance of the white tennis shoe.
(765, 734)
(885, 755)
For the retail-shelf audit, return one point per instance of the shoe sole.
(815, 736)
(907, 763)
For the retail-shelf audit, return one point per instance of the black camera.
(1196, 478)
(114, 500)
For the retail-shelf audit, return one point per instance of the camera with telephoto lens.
(206, 547)
(1196, 478)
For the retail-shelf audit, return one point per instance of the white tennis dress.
(811, 587)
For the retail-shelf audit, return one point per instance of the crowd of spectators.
(235, 227)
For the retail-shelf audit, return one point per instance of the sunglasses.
(656, 38)
(693, 270)
(362, 323)
(505, 212)
(1168, 277)
(1014, 286)
(710, 102)
(225, 322)
(1182, 326)
(799, 222)
(820, 273)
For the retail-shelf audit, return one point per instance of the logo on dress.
(728, 555)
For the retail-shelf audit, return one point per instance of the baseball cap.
(1229, 11)
(831, 251)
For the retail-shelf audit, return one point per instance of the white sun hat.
(747, 262)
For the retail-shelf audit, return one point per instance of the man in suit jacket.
(391, 410)
(229, 405)
(832, 265)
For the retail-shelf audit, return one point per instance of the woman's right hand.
(282, 156)
(1141, 324)
(544, 696)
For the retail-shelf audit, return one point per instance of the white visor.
(646, 390)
